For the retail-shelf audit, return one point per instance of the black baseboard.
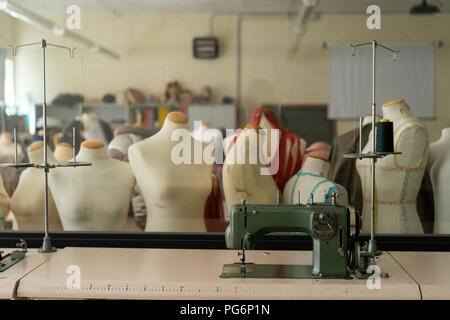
(8, 239)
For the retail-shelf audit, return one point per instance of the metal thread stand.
(372, 249)
(46, 244)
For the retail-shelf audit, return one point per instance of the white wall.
(156, 48)
(6, 30)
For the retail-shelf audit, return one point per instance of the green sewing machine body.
(336, 252)
(14, 257)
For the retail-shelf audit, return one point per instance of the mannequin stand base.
(373, 249)
(46, 246)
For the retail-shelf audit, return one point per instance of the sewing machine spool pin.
(311, 202)
(333, 197)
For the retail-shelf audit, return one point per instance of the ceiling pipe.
(304, 15)
(32, 18)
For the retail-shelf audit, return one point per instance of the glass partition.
(184, 112)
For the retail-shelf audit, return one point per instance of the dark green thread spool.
(385, 136)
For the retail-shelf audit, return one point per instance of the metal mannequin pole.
(373, 160)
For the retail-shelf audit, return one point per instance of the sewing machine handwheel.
(352, 253)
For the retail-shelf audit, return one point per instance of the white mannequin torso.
(291, 148)
(4, 201)
(7, 146)
(95, 197)
(63, 152)
(175, 195)
(312, 182)
(27, 202)
(245, 181)
(398, 177)
(439, 168)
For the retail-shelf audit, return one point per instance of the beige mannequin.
(4, 203)
(368, 119)
(312, 183)
(7, 146)
(439, 168)
(265, 124)
(92, 129)
(175, 194)
(398, 177)
(27, 202)
(63, 152)
(245, 181)
(95, 197)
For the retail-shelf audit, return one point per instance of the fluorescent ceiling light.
(304, 16)
(30, 17)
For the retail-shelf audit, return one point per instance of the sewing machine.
(337, 253)
(14, 257)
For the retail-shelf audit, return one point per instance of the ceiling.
(222, 6)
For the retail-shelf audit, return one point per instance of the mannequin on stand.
(214, 209)
(291, 146)
(27, 202)
(313, 184)
(439, 169)
(4, 203)
(124, 137)
(96, 197)
(175, 194)
(7, 146)
(9, 175)
(342, 170)
(398, 177)
(63, 152)
(245, 181)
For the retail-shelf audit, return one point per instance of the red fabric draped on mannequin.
(288, 166)
(214, 214)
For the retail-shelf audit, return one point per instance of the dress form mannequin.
(291, 151)
(397, 177)
(439, 168)
(95, 197)
(9, 175)
(92, 129)
(63, 152)
(343, 171)
(7, 146)
(4, 202)
(313, 185)
(291, 147)
(124, 137)
(27, 202)
(175, 194)
(319, 149)
(245, 181)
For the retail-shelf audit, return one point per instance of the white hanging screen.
(411, 77)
